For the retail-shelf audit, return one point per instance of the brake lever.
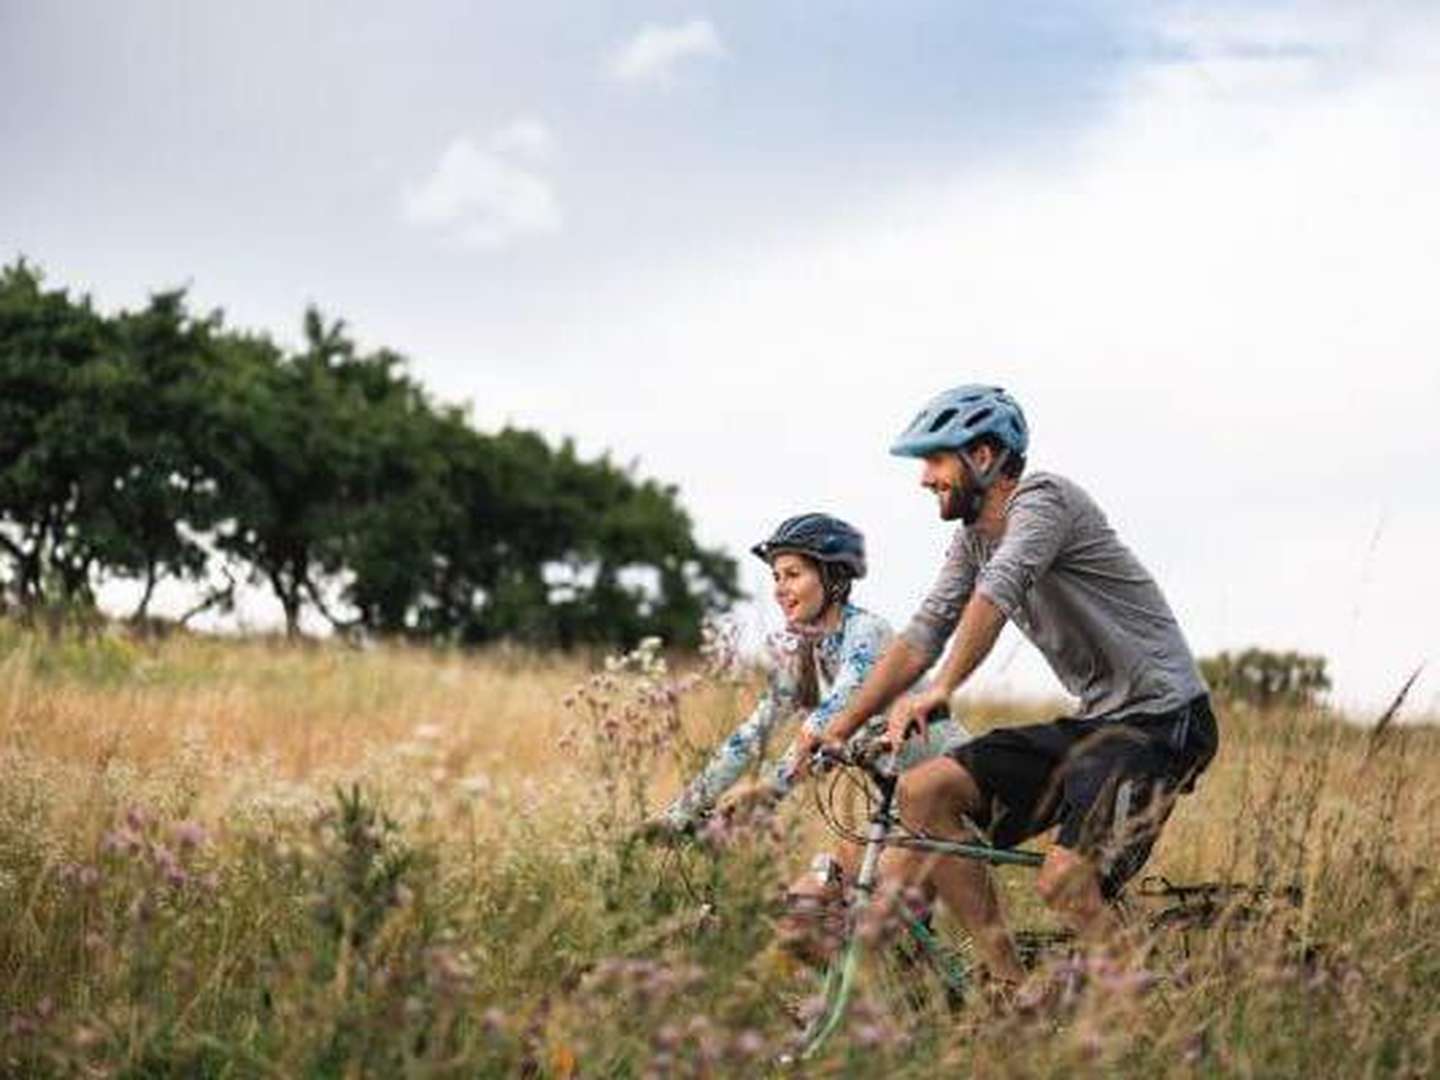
(823, 759)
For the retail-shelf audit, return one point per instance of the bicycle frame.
(841, 971)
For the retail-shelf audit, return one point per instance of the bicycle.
(885, 829)
(1174, 909)
(1178, 908)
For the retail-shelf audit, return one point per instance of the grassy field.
(247, 859)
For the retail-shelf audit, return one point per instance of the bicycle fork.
(840, 975)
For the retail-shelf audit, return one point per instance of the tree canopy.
(159, 444)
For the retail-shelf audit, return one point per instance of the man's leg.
(1116, 802)
(1070, 886)
(933, 796)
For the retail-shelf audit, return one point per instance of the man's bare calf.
(936, 797)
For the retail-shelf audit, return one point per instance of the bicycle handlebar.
(875, 756)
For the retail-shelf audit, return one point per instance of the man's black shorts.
(1107, 782)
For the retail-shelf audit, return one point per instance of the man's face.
(947, 477)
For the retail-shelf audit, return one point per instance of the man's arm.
(980, 624)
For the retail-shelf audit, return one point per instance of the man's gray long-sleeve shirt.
(1061, 575)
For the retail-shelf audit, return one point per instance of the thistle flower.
(22, 1025)
(188, 835)
(494, 1021)
(1196, 1047)
(120, 842)
(749, 1043)
(872, 1035)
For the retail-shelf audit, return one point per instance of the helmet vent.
(978, 418)
(940, 421)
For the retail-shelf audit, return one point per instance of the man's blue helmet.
(955, 418)
(823, 538)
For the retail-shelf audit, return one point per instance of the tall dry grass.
(245, 858)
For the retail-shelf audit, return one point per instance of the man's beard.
(951, 504)
(962, 502)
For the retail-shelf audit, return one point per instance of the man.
(1036, 550)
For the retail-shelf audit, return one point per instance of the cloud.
(525, 137)
(653, 54)
(1246, 30)
(1217, 306)
(488, 196)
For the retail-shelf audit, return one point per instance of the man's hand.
(898, 667)
(911, 713)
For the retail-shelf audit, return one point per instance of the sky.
(738, 245)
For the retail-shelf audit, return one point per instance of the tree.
(536, 545)
(607, 557)
(99, 474)
(63, 439)
(289, 451)
(1264, 678)
(153, 444)
(147, 521)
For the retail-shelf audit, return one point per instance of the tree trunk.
(290, 597)
(142, 612)
(214, 598)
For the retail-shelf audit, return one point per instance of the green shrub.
(1264, 678)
